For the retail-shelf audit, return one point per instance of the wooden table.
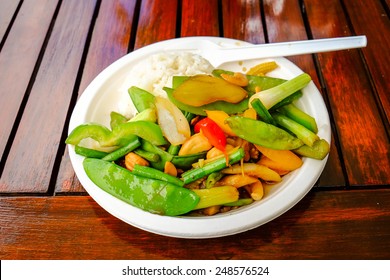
(51, 50)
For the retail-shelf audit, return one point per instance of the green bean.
(216, 165)
(151, 173)
(174, 149)
(164, 156)
(149, 156)
(121, 152)
(89, 153)
(212, 179)
(186, 161)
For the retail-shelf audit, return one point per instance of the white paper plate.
(101, 97)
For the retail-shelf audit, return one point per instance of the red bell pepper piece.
(213, 133)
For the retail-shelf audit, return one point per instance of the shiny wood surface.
(51, 50)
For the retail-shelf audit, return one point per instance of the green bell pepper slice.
(151, 195)
(143, 129)
(119, 136)
(117, 119)
(97, 132)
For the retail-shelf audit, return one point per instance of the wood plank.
(369, 17)
(242, 21)
(200, 19)
(284, 16)
(18, 58)
(7, 11)
(33, 153)
(109, 42)
(324, 225)
(110, 39)
(361, 132)
(287, 16)
(67, 181)
(157, 22)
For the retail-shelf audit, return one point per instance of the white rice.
(156, 72)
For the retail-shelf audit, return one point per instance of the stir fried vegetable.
(210, 147)
(152, 195)
(214, 134)
(204, 89)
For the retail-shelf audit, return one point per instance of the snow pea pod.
(263, 134)
(319, 150)
(142, 99)
(151, 195)
(143, 129)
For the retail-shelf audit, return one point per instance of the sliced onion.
(172, 121)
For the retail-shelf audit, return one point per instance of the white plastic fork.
(218, 55)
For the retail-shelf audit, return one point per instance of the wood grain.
(200, 19)
(55, 48)
(7, 12)
(242, 21)
(377, 30)
(110, 40)
(157, 22)
(36, 143)
(287, 15)
(360, 128)
(324, 225)
(18, 58)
